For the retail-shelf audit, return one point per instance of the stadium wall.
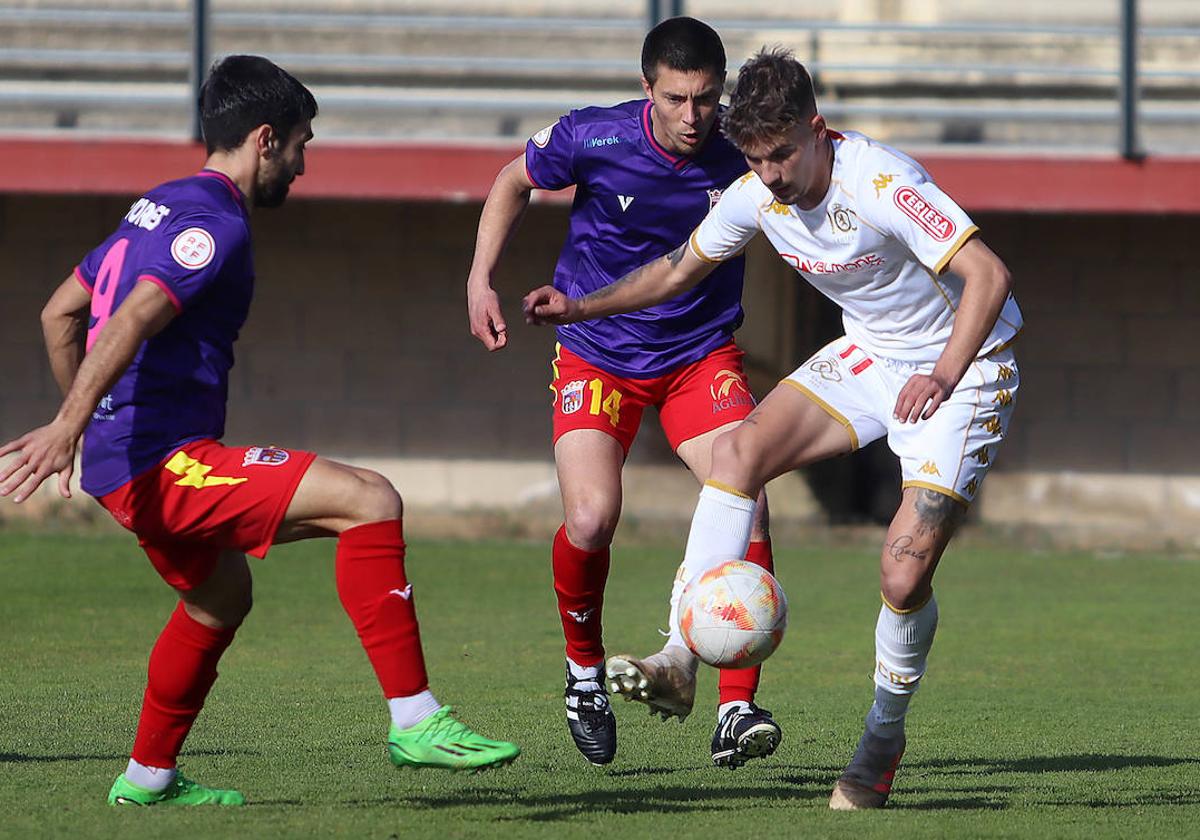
(357, 346)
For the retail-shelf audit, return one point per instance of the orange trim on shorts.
(830, 410)
(945, 491)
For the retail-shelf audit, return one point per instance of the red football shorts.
(207, 498)
(691, 400)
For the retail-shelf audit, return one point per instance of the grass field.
(1061, 701)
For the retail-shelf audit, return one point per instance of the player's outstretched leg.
(666, 681)
(904, 635)
(183, 668)
(364, 510)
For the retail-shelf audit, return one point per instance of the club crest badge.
(194, 248)
(266, 456)
(542, 138)
(714, 196)
(572, 396)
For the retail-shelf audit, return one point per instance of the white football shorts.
(952, 451)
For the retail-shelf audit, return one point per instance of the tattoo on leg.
(901, 548)
(938, 512)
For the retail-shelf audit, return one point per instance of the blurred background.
(1069, 130)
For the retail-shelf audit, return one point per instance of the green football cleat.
(182, 791)
(441, 741)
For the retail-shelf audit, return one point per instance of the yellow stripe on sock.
(725, 488)
(909, 611)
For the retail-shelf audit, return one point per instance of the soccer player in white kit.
(929, 320)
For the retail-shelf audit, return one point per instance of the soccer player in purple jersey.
(645, 173)
(161, 302)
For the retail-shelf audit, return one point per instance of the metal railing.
(943, 89)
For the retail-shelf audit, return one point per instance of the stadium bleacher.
(915, 72)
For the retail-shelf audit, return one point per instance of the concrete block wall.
(357, 344)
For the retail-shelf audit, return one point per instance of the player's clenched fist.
(547, 305)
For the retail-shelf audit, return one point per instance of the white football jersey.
(877, 246)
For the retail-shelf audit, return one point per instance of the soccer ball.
(734, 615)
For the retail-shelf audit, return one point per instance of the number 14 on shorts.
(573, 399)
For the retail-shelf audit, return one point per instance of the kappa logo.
(624, 201)
(714, 197)
(881, 181)
(981, 455)
(572, 396)
(992, 424)
(1004, 373)
(405, 593)
(582, 616)
(930, 468)
(266, 456)
(972, 486)
(779, 209)
(930, 219)
(1003, 397)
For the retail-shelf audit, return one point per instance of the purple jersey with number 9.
(635, 202)
(191, 238)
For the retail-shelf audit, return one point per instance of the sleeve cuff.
(955, 248)
(83, 280)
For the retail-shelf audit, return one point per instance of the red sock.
(579, 578)
(379, 600)
(183, 667)
(741, 684)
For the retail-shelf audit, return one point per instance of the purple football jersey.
(635, 202)
(190, 237)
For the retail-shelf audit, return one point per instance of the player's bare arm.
(986, 287)
(50, 449)
(502, 212)
(651, 284)
(64, 329)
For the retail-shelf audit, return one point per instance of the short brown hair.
(773, 93)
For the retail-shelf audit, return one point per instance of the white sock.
(150, 778)
(720, 532)
(902, 643)
(411, 710)
(726, 708)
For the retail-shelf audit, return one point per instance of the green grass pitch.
(1061, 701)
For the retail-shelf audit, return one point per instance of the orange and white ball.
(733, 615)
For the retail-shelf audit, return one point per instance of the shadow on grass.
(653, 800)
(995, 797)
